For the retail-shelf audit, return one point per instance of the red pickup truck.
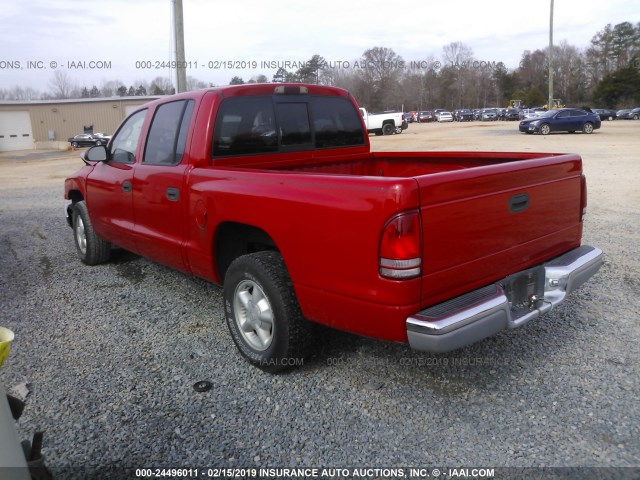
(272, 191)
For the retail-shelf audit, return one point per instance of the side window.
(293, 120)
(168, 133)
(336, 122)
(184, 129)
(564, 114)
(245, 126)
(124, 144)
(578, 113)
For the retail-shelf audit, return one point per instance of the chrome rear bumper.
(481, 313)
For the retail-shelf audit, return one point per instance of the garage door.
(15, 131)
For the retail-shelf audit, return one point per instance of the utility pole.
(550, 100)
(181, 72)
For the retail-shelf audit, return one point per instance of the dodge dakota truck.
(272, 191)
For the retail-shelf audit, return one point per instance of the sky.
(94, 42)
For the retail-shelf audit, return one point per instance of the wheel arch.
(75, 196)
(232, 240)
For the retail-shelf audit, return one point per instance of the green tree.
(535, 97)
(122, 91)
(312, 70)
(236, 81)
(156, 89)
(619, 88)
(280, 76)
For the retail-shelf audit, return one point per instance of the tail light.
(583, 196)
(400, 247)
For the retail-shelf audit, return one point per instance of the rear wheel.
(388, 129)
(587, 128)
(263, 314)
(545, 129)
(91, 249)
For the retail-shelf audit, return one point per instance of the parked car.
(385, 123)
(88, 140)
(101, 138)
(489, 114)
(425, 116)
(463, 115)
(436, 112)
(629, 114)
(445, 117)
(562, 120)
(408, 117)
(527, 113)
(512, 114)
(605, 113)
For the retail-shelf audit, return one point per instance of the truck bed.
(401, 164)
(483, 215)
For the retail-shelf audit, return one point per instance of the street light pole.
(181, 73)
(550, 100)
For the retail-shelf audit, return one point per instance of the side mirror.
(97, 153)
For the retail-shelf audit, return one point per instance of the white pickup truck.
(386, 123)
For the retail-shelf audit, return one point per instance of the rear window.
(256, 125)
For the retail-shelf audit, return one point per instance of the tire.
(388, 129)
(587, 128)
(545, 129)
(262, 312)
(398, 130)
(91, 249)
(74, 144)
(610, 118)
(636, 116)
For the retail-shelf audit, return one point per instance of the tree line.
(606, 74)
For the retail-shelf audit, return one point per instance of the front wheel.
(263, 314)
(74, 144)
(545, 129)
(587, 128)
(91, 249)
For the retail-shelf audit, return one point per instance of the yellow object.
(6, 337)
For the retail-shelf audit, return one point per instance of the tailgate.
(481, 224)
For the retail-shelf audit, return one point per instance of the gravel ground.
(111, 353)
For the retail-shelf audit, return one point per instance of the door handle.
(173, 194)
(126, 186)
(519, 203)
